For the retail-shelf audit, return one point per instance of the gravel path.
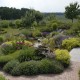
(68, 74)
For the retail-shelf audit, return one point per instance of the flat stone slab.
(75, 54)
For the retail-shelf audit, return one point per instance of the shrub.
(26, 68)
(27, 33)
(18, 23)
(37, 67)
(10, 65)
(26, 54)
(1, 40)
(4, 24)
(7, 49)
(58, 39)
(2, 77)
(48, 66)
(6, 58)
(45, 41)
(70, 43)
(49, 43)
(36, 33)
(12, 24)
(64, 25)
(63, 56)
(54, 26)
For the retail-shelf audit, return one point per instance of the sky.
(41, 5)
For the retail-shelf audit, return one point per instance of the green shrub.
(4, 24)
(26, 68)
(63, 56)
(54, 26)
(36, 33)
(64, 25)
(2, 77)
(26, 54)
(44, 66)
(10, 65)
(18, 23)
(27, 33)
(49, 42)
(12, 24)
(48, 66)
(7, 49)
(70, 43)
(1, 40)
(6, 58)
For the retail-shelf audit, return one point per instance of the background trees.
(72, 11)
(31, 17)
(12, 13)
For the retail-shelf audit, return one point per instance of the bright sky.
(41, 5)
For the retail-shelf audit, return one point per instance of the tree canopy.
(30, 17)
(72, 11)
(12, 13)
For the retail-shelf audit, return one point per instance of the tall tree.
(30, 17)
(72, 11)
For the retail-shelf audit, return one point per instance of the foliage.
(38, 67)
(30, 17)
(36, 33)
(53, 26)
(72, 11)
(12, 24)
(4, 24)
(18, 23)
(49, 43)
(1, 40)
(26, 68)
(63, 56)
(2, 77)
(12, 13)
(45, 41)
(11, 46)
(70, 43)
(7, 49)
(50, 66)
(26, 54)
(27, 33)
(6, 58)
(10, 65)
(64, 25)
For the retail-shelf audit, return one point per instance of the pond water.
(75, 54)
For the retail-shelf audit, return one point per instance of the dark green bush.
(6, 58)
(54, 26)
(18, 23)
(12, 24)
(44, 66)
(49, 66)
(10, 65)
(26, 54)
(36, 33)
(7, 49)
(4, 24)
(1, 40)
(26, 68)
(27, 33)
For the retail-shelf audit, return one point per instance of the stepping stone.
(75, 54)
